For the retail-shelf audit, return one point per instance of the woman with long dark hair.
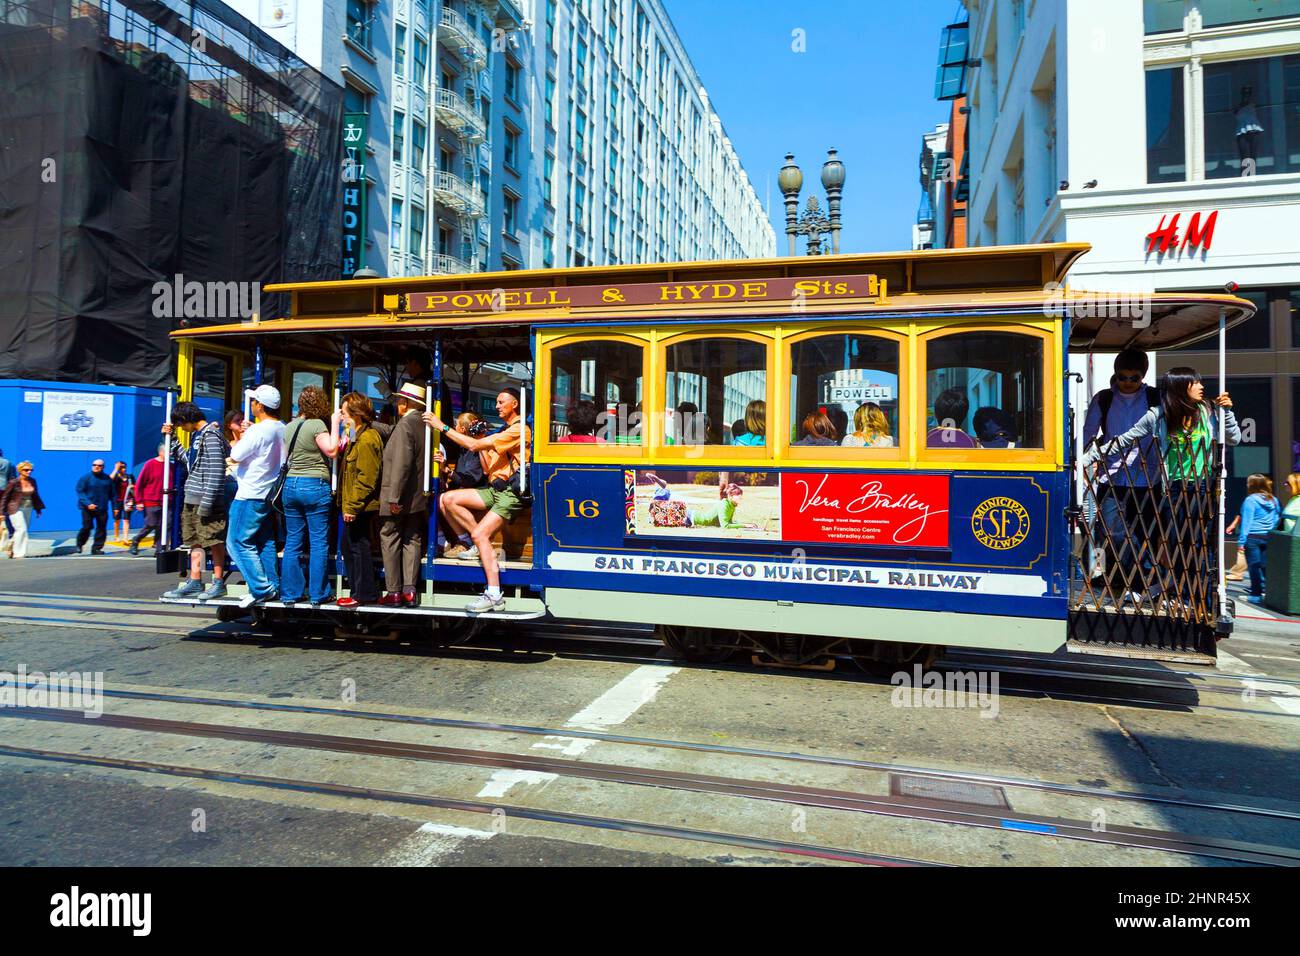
(1185, 427)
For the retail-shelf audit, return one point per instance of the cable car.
(870, 455)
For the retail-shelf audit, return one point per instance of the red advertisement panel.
(904, 510)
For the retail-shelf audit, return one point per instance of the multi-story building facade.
(1164, 133)
(928, 232)
(505, 134)
(632, 162)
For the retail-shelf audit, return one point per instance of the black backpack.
(1106, 397)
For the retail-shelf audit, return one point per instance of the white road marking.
(1270, 657)
(430, 843)
(608, 710)
(1258, 681)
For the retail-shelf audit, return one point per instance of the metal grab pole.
(1223, 458)
(428, 437)
(160, 542)
(523, 445)
(334, 462)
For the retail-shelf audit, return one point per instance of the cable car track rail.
(915, 808)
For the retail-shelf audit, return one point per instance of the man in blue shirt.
(94, 492)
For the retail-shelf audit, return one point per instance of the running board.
(530, 614)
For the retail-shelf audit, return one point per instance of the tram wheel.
(700, 645)
(794, 650)
(454, 631)
(230, 612)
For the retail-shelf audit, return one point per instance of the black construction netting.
(140, 141)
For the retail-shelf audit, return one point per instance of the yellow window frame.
(546, 450)
(707, 455)
(1049, 332)
(847, 456)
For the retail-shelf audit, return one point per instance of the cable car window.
(716, 393)
(596, 393)
(850, 382)
(211, 373)
(984, 390)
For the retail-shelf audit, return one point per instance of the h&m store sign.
(1166, 237)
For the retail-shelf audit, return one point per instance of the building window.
(419, 136)
(417, 231)
(850, 379)
(580, 132)
(1293, 314)
(511, 152)
(421, 60)
(601, 382)
(709, 384)
(1256, 456)
(550, 101)
(1162, 16)
(579, 205)
(550, 23)
(511, 204)
(984, 390)
(548, 179)
(399, 135)
(512, 80)
(548, 250)
(355, 101)
(358, 23)
(1166, 149)
(395, 227)
(1218, 13)
(580, 62)
(1252, 117)
(399, 52)
(446, 240)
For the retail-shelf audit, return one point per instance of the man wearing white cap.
(403, 505)
(257, 457)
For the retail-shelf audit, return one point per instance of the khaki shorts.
(199, 532)
(505, 503)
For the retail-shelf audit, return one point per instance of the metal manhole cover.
(949, 791)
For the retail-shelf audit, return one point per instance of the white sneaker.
(247, 601)
(485, 602)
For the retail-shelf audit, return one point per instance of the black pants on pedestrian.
(359, 559)
(98, 518)
(152, 520)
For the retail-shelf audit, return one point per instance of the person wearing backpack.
(1125, 499)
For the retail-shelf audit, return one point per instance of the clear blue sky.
(865, 86)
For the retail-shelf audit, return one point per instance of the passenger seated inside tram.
(685, 425)
(870, 428)
(582, 425)
(994, 428)
(755, 424)
(737, 429)
(817, 430)
(950, 411)
(839, 420)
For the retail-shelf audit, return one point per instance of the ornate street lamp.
(813, 224)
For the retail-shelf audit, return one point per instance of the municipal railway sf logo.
(1000, 523)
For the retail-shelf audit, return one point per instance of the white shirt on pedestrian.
(258, 456)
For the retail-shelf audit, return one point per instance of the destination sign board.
(669, 294)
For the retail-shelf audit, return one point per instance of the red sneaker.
(391, 599)
(347, 602)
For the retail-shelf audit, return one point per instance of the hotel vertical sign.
(354, 192)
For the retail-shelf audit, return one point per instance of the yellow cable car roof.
(975, 281)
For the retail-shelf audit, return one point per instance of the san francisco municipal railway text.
(789, 572)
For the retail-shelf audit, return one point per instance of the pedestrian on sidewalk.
(257, 457)
(403, 505)
(19, 499)
(6, 476)
(94, 494)
(122, 480)
(1291, 511)
(148, 500)
(203, 508)
(1259, 515)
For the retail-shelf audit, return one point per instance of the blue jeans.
(250, 539)
(1256, 552)
(306, 509)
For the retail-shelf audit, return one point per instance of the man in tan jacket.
(403, 503)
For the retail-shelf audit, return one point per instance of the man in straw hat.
(403, 505)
